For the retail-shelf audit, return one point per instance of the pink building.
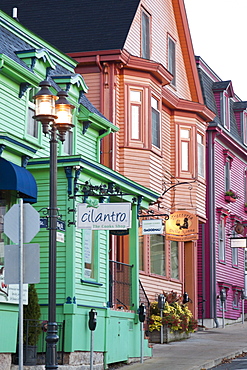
(221, 266)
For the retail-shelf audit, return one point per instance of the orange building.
(137, 59)
(149, 88)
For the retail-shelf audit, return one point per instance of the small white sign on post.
(238, 242)
(152, 227)
(106, 216)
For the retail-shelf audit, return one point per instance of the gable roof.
(13, 44)
(90, 24)
(210, 83)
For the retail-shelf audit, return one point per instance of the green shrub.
(31, 315)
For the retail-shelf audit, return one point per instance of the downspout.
(107, 132)
(211, 204)
(97, 60)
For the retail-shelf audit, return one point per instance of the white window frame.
(185, 143)
(136, 97)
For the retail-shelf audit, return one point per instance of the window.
(141, 250)
(227, 174)
(174, 260)
(157, 254)
(235, 297)
(155, 122)
(235, 257)
(200, 155)
(226, 111)
(245, 186)
(32, 124)
(89, 253)
(145, 42)
(244, 128)
(135, 111)
(221, 231)
(171, 59)
(68, 143)
(185, 146)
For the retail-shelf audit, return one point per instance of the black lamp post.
(55, 114)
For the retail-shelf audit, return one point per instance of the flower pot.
(29, 355)
(168, 336)
(229, 199)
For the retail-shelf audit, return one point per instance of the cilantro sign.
(104, 216)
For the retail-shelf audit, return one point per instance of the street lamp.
(55, 114)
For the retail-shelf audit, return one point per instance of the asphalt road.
(236, 364)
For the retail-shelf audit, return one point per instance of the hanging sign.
(182, 226)
(152, 227)
(104, 216)
(238, 242)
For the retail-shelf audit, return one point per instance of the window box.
(230, 196)
(229, 199)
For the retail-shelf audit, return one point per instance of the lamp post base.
(51, 346)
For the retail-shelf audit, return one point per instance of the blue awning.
(13, 177)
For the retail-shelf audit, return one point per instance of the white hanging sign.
(104, 216)
(152, 227)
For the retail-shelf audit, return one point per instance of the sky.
(219, 36)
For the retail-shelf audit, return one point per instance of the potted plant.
(245, 207)
(31, 327)
(231, 196)
(177, 322)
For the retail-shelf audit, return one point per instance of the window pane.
(141, 252)
(245, 128)
(185, 134)
(221, 241)
(171, 59)
(145, 36)
(155, 128)
(174, 260)
(89, 236)
(135, 96)
(68, 143)
(235, 256)
(32, 124)
(185, 156)
(227, 176)
(135, 121)
(157, 252)
(154, 103)
(200, 154)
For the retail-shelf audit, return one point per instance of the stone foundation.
(5, 361)
(72, 361)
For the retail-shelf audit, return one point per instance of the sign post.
(20, 284)
(21, 224)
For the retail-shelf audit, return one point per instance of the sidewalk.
(203, 350)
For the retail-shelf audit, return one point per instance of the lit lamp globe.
(45, 105)
(63, 111)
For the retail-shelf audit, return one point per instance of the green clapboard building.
(86, 277)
